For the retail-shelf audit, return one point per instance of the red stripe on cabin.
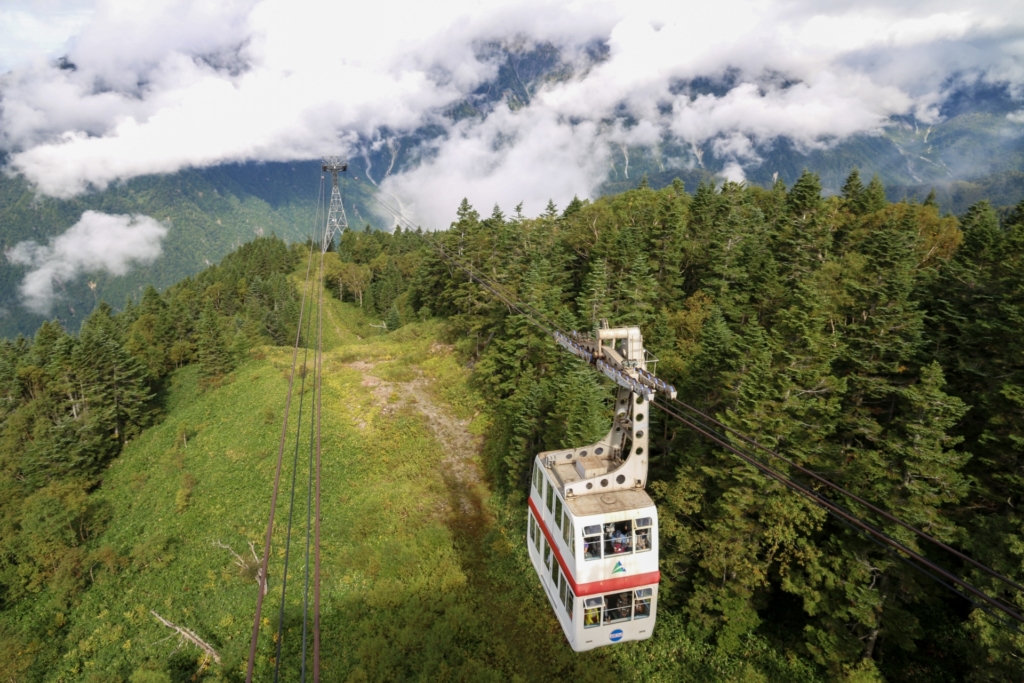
(593, 587)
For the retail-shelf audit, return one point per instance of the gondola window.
(592, 542)
(618, 538)
(592, 612)
(643, 534)
(618, 607)
(642, 604)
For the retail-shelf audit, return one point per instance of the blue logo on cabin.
(618, 569)
(616, 635)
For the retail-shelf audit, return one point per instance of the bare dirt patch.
(459, 444)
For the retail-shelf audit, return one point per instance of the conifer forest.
(876, 343)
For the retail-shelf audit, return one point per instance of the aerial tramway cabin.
(592, 530)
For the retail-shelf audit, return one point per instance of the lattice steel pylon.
(337, 221)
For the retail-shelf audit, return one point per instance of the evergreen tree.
(853, 193)
(393, 320)
(214, 357)
(594, 302)
(874, 196)
(573, 207)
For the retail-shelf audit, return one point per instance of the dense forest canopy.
(874, 342)
(877, 343)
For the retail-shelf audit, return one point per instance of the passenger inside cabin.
(617, 606)
(592, 542)
(642, 604)
(592, 612)
(643, 534)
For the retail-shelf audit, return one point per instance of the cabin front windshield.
(618, 607)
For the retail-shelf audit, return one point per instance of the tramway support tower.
(337, 221)
(592, 530)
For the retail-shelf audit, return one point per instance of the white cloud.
(31, 30)
(164, 85)
(98, 242)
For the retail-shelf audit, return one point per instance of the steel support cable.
(984, 608)
(291, 504)
(254, 639)
(852, 496)
(711, 429)
(309, 483)
(454, 260)
(316, 532)
(839, 511)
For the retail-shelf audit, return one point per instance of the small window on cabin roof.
(592, 542)
(558, 512)
(592, 612)
(643, 534)
(618, 538)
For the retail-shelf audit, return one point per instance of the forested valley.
(876, 343)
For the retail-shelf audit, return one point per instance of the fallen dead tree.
(188, 636)
(249, 569)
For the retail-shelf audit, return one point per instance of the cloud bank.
(98, 242)
(160, 86)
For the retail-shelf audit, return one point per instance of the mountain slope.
(209, 212)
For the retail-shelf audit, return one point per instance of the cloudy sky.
(158, 86)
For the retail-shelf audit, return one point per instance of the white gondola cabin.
(592, 530)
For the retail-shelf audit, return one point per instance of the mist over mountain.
(208, 118)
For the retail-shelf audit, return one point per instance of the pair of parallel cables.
(312, 528)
